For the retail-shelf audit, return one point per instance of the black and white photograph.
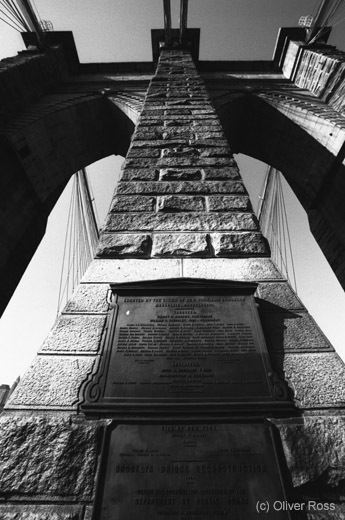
(172, 259)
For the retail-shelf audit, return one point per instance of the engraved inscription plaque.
(180, 343)
(186, 346)
(185, 472)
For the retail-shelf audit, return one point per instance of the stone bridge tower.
(184, 378)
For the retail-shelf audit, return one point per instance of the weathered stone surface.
(180, 244)
(132, 270)
(48, 456)
(150, 122)
(139, 175)
(208, 125)
(181, 222)
(294, 332)
(314, 449)
(33, 512)
(157, 112)
(133, 203)
(182, 151)
(183, 101)
(88, 513)
(206, 111)
(209, 118)
(88, 298)
(148, 125)
(173, 123)
(208, 128)
(280, 295)
(156, 93)
(246, 269)
(317, 380)
(179, 174)
(123, 245)
(229, 203)
(51, 382)
(153, 188)
(148, 134)
(174, 132)
(142, 162)
(239, 244)
(217, 151)
(198, 161)
(173, 111)
(217, 174)
(205, 143)
(181, 203)
(178, 162)
(195, 151)
(158, 144)
(142, 152)
(199, 134)
(75, 334)
(338, 513)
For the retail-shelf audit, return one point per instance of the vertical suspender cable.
(183, 20)
(273, 220)
(81, 237)
(167, 22)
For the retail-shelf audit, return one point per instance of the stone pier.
(253, 411)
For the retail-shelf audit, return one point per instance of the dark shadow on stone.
(293, 494)
(274, 337)
(256, 128)
(37, 164)
(320, 489)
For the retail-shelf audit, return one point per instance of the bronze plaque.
(183, 343)
(184, 346)
(184, 472)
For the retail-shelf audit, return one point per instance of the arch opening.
(37, 161)
(315, 174)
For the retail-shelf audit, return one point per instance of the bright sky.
(119, 30)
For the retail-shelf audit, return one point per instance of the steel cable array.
(81, 237)
(273, 220)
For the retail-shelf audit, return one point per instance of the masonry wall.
(180, 194)
(42, 142)
(302, 136)
(45, 137)
(180, 210)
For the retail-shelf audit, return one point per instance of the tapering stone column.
(180, 211)
(180, 194)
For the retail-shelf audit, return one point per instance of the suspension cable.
(332, 15)
(273, 220)
(12, 16)
(21, 16)
(81, 237)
